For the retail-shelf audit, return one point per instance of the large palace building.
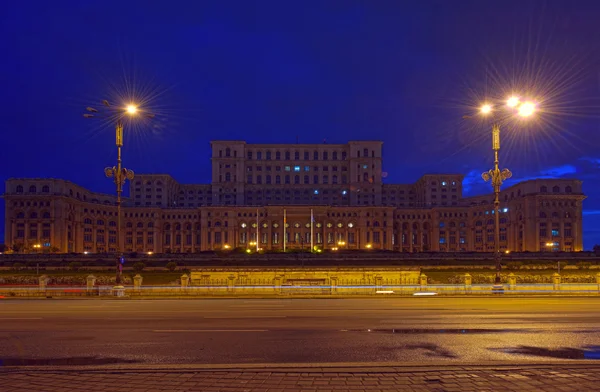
(255, 185)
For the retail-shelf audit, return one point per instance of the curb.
(142, 298)
(386, 367)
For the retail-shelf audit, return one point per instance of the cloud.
(591, 212)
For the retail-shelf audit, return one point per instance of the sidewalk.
(570, 376)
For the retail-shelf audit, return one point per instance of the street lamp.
(120, 174)
(497, 176)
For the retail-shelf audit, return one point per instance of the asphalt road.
(226, 331)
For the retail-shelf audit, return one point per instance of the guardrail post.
(90, 282)
(43, 281)
(185, 281)
(556, 281)
(468, 282)
(423, 282)
(277, 284)
(137, 283)
(230, 283)
(512, 281)
(333, 280)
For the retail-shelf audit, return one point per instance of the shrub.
(514, 265)
(171, 266)
(18, 266)
(74, 265)
(584, 265)
(139, 266)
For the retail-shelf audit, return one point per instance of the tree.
(74, 265)
(139, 266)
(596, 249)
(17, 247)
(171, 266)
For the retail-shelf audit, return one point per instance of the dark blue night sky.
(404, 72)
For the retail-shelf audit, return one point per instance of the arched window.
(150, 225)
(87, 221)
(334, 179)
(227, 177)
(543, 214)
(100, 222)
(306, 179)
(376, 224)
(490, 222)
(19, 189)
(296, 179)
(502, 220)
(555, 189)
(315, 179)
(277, 155)
(167, 227)
(228, 152)
(268, 153)
(112, 224)
(555, 214)
(46, 215)
(188, 226)
(33, 215)
(543, 189)
(268, 179)
(334, 155)
(129, 224)
(32, 189)
(277, 179)
(45, 189)
(287, 179)
(568, 189)
(316, 155)
(140, 225)
(287, 155)
(178, 227)
(366, 152)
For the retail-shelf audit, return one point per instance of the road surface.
(238, 331)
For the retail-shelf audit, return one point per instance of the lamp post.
(118, 173)
(497, 176)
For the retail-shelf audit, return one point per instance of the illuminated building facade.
(254, 185)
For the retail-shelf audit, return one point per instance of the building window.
(250, 155)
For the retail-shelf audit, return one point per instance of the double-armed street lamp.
(120, 174)
(513, 106)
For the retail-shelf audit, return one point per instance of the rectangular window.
(376, 237)
(178, 239)
(188, 239)
(287, 168)
(168, 239)
(218, 237)
(296, 168)
(249, 178)
(555, 233)
(306, 168)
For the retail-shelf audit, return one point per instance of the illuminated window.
(296, 168)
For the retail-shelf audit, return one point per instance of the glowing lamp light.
(507, 251)
(226, 246)
(485, 109)
(512, 102)
(150, 253)
(368, 246)
(526, 109)
(131, 109)
(248, 251)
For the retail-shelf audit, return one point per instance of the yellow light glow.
(526, 109)
(132, 109)
(507, 251)
(226, 246)
(368, 246)
(485, 109)
(512, 102)
(248, 251)
(149, 253)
